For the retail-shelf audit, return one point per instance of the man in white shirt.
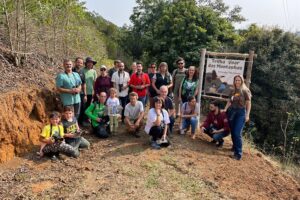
(120, 80)
(134, 113)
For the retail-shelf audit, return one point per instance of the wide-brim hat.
(89, 59)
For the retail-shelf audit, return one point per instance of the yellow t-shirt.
(55, 131)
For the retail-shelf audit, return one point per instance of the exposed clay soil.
(124, 167)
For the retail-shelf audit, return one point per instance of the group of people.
(117, 95)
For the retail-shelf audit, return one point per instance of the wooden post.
(201, 71)
(249, 68)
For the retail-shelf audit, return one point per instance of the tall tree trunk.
(8, 25)
(25, 27)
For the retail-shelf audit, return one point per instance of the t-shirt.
(133, 111)
(113, 105)
(187, 110)
(119, 79)
(177, 79)
(70, 126)
(239, 97)
(94, 111)
(90, 78)
(188, 87)
(68, 81)
(49, 131)
(80, 74)
(111, 71)
(142, 79)
(152, 116)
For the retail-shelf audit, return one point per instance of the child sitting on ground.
(52, 139)
(113, 106)
(72, 132)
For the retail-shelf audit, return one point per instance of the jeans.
(237, 117)
(77, 143)
(217, 136)
(123, 101)
(186, 122)
(143, 100)
(156, 132)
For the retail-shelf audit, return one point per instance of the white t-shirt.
(152, 118)
(124, 78)
(113, 104)
(133, 111)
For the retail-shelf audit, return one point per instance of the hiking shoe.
(213, 141)
(154, 145)
(54, 158)
(220, 143)
(235, 157)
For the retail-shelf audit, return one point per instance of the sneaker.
(182, 131)
(220, 143)
(154, 145)
(54, 158)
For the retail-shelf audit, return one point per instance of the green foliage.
(275, 87)
(163, 30)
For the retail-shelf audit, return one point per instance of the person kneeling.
(189, 113)
(98, 115)
(216, 124)
(134, 113)
(157, 124)
(52, 139)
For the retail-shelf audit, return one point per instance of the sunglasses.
(102, 70)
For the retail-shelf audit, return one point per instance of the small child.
(72, 131)
(51, 138)
(114, 107)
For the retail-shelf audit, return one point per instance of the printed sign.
(220, 73)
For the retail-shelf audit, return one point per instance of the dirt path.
(124, 167)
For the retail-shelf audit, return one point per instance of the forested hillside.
(57, 29)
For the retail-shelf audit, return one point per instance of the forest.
(163, 30)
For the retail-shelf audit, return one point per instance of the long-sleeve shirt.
(103, 84)
(219, 121)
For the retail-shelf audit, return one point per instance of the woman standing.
(162, 77)
(103, 82)
(189, 85)
(238, 110)
(157, 123)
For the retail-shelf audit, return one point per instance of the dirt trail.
(124, 167)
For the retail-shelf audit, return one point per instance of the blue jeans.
(143, 100)
(217, 136)
(237, 117)
(186, 122)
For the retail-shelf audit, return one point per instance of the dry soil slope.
(124, 167)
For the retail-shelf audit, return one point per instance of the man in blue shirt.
(68, 85)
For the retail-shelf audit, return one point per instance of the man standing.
(134, 113)
(216, 124)
(68, 85)
(139, 82)
(168, 105)
(178, 75)
(112, 70)
(83, 96)
(90, 79)
(120, 81)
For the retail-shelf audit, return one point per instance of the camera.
(57, 138)
(120, 87)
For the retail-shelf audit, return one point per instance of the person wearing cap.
(90, 78)
(103, 82)
(121, 80)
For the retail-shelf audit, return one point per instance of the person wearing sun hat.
(90, 78)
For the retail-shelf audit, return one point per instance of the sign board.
(220, 73)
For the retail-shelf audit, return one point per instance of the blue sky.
(283, 13)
